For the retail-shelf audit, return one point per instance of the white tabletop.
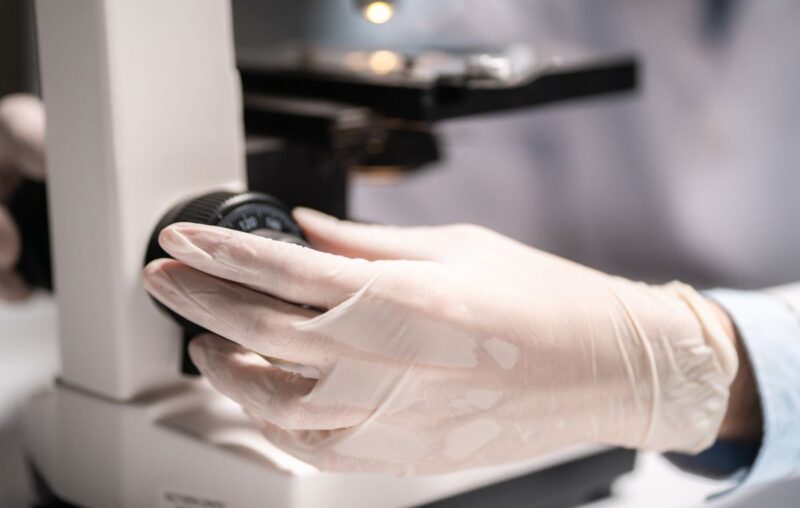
(29, 360)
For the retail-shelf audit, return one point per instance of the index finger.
(290, 272)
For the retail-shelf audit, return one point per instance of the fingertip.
(176, 241)
(17, 103)
(197, 351)
(155, 275)
(324, 232)
(156, 267)
(168, 236)
(187, 228)
(308, 217)
(192, 229)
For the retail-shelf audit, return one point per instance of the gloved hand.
(442, 348)
(21, 155)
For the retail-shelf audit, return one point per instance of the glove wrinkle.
(644, 348)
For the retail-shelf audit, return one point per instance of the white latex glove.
(442, 348)
(21, 155)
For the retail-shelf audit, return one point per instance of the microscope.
(156, 115)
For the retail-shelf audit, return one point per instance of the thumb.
(368, 241)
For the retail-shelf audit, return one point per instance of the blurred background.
(702, 154)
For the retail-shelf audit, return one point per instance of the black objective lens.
(249, 212)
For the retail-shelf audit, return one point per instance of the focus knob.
(249, 212)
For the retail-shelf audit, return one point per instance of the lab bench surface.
(29, 360)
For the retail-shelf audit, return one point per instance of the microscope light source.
(378, 12)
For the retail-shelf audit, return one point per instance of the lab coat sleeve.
(769, 325)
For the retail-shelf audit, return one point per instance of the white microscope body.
(143, 110)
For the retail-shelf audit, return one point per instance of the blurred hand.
(22, 131)
(442, 348)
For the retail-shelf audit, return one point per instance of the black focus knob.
(250, 212)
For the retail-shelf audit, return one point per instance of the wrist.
(683, 369)
(742, 421)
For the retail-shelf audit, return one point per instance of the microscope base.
(191, 448)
